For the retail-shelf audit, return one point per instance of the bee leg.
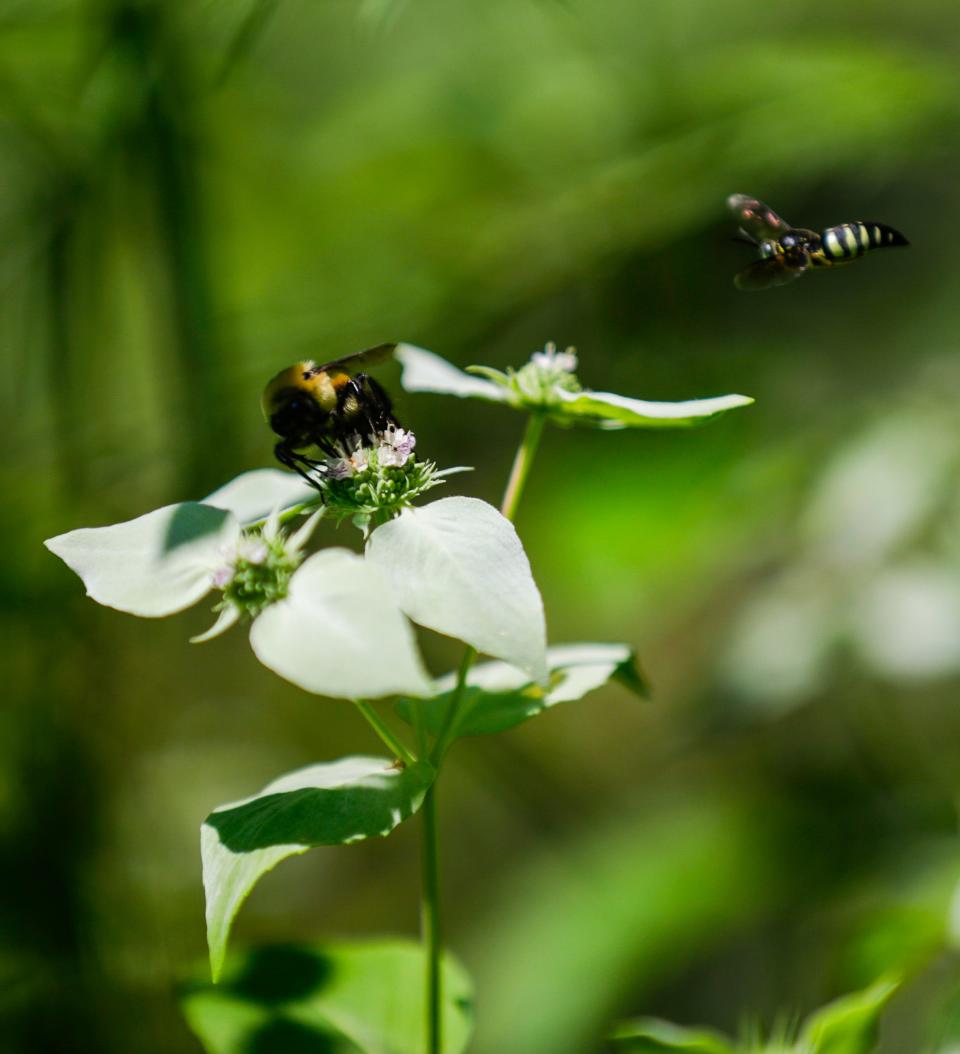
(303, 466)
(328, 446)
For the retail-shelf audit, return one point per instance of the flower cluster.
(255, 571)
(374, 481)
(392, 448)
(539, 382)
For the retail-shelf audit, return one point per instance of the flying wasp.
(786, 252)
(335, 408)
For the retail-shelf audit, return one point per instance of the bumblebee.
(332, 407)
(786, 252)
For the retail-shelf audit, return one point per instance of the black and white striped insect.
(786, 252)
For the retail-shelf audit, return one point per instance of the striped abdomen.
(850, 240)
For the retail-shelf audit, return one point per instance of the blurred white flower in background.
(875, 577)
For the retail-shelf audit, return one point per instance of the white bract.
(154, 565)
(340, 632)
(252, 496)
(330, 625)
(336, 623)
(423, 371)
(457, 566)
(610, 411)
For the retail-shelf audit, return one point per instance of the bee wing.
(360, 359)
(765, 274)
(756, 219)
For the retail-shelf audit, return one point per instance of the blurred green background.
(197, 194)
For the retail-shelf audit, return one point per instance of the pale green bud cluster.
(257, 569)
(537, 382)
(258, 574)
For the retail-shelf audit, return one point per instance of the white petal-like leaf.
(228, 617)
(500, 696)
(331, 804)
(423, 371)
(617, 411)
(340, 632)
(458, 567)
(154, 565)
(252, 496)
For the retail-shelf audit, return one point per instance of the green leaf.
(339, 632)
(336, 998)
(252, 496)
(617, 411)
(457, 566)
(155, 565)
(849, 1025)
(330, 804)
(425, 372)
(651, 1036)
(499, 696)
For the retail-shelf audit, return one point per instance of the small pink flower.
(339, 469)
(550, 358)
(222, 577)
(396, 446)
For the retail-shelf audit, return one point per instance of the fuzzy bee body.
(786, 252)
(330, 407)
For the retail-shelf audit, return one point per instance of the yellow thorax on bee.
(302, 377)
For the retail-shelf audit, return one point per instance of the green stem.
(430, 919)
(288, 514)
(448, 729)
(420, 730)
(521, 464)
(430, 926)
(383, 731)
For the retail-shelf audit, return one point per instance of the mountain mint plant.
(454, 566)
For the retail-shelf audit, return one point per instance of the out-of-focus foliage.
(196, 195)
(335, 999)
(849, 1025)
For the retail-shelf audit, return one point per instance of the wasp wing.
(765, 274)
(756, 220)
(360, 360)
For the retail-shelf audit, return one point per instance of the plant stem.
(521, 464)
(430, 923)
(288, 514)
(430, 919)
(449, 728)
(377, 723)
